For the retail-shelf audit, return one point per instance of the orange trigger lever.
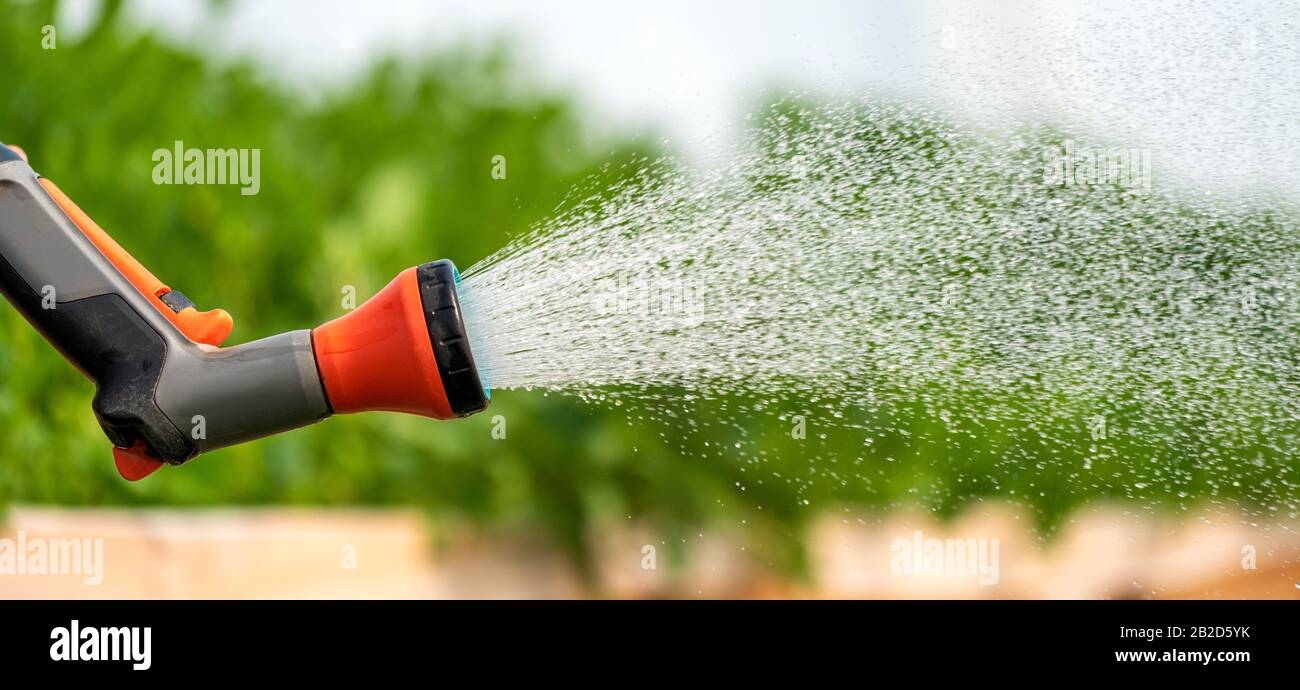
(207, 327)
(135, 463)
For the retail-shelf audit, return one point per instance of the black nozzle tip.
(447, 335)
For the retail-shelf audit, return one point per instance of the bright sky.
(1212, 88)
(685, 66)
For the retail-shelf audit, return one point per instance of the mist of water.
(865, 257)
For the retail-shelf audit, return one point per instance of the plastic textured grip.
(163, 391)
(113, 346)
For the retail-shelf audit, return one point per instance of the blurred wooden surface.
(1102, 552)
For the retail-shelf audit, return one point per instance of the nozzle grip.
(155, 385)
(75, 297)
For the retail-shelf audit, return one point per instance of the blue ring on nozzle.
(455, 274)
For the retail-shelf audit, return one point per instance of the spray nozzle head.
(451, 349)
(404, 350)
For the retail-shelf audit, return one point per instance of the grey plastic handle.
(153, 383)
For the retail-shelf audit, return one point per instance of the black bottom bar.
(442, 641)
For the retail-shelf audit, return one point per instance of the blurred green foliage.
(389, 171)
(386, 172)
(393, 170)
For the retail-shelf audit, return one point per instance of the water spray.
(166, 391)
(955, 290)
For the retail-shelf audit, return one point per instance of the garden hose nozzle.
(165, 389)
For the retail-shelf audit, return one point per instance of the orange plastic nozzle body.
(379, 356)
